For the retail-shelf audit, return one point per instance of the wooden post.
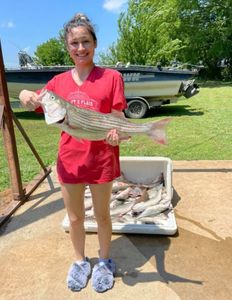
(9, 137)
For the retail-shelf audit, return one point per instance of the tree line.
(155, 32)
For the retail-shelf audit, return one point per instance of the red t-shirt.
(84, 161)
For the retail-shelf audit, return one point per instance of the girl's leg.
(101, 194)
(103, 271)
(73, 195)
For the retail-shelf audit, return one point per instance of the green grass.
(45, 140)
(200, 130)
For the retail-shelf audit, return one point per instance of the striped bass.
(141, 206)
(88, 124)
(154, 210)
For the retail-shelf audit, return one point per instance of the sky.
(26, 24)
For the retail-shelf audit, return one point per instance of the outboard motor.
(25, 60)
(189, 88)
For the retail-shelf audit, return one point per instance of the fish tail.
(157, 131)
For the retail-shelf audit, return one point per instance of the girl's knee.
(76, 220)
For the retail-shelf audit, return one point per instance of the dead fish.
(119, 186)
(144, 197)
(89, 213)
(155, 191)
(115, 203)
(136, 192)
(154, 196)
(140, 207)
(153, 210)
(88, 203)
(124, 194)
(122, 208)
(126, 209)
(158, 219)
(88, 193)
(134, 201)
(88, 124)
(125, 219)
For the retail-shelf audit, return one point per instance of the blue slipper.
(78, 275)
(103, 275)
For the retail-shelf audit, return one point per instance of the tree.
(206, 28)
(146, 33)
(52, 53)
(153, 31)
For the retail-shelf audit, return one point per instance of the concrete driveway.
(195, 263)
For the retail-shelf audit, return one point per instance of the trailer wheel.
(136, 109)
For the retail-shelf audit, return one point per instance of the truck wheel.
(136, 109)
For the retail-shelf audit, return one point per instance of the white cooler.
(142, 169)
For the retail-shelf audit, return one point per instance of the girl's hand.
(29, 99)
(112, 138)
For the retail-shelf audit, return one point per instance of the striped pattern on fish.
(119, 208)
(141, 206)
(88, 124)
(151, 203)
(119, 186)
(153, 210)
(135, 204)
(161, 218)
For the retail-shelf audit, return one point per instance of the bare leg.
(73, 195)
(101, 194)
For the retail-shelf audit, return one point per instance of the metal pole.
(9, 137)
(28, 141)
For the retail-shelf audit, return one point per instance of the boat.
(146, 87)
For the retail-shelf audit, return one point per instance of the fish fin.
(124, 137)
(157, 131)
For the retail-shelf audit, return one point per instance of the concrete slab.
(196, 263)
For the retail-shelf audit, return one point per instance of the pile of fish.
(135, 203)
(89, 124)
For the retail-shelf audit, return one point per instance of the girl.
(95, 163)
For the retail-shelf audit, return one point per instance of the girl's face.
(81, 46)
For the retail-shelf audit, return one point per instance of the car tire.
(136, 109)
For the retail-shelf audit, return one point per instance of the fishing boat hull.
(158, 89)
(152, 82)
(153, 86)
(30, 79)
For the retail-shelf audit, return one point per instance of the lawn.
(200, 130)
